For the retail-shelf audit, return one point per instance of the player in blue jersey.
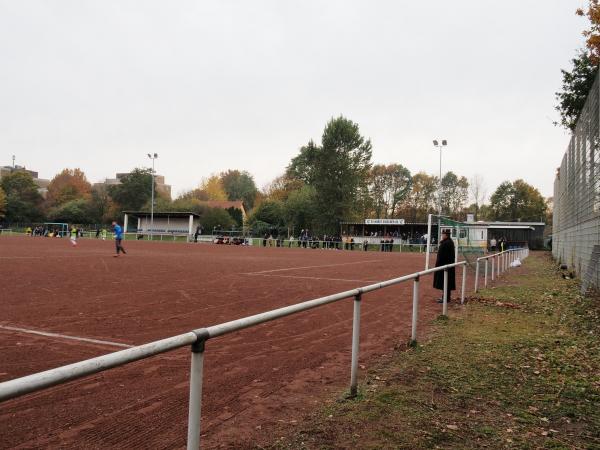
(118, 238)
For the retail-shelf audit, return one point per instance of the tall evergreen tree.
(336, 170)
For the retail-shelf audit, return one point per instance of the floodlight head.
(444, 142)
(149, 156)
(435, 143)
(156, 154)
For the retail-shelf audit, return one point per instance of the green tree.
(336, 170)
(390, 185)
(455, 193)
(236, 215)
(134, 191)
(216, 218)
(300, 209)
(303, 166)
(576, 85)
(75, 211)
(100, 205)
(239, 186)
(485, 212)
(23, 201)
(517, 201)
(2, 203)
(270, 212)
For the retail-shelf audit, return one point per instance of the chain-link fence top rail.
(576, 219)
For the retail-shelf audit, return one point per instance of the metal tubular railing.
(501, 262)
(197, 339)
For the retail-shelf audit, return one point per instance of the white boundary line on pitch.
(86, 255)
(310, 278)
(64, 336)
(312, 267)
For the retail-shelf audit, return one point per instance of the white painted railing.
(197, 339)
(501, 262)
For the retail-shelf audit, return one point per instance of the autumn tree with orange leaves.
(70, 184)
(592, 35)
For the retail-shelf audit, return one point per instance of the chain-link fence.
(576, 220)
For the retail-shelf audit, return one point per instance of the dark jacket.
(445, 256)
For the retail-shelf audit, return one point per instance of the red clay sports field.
(255, 379)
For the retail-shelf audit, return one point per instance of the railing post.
(196, 373)
(355, 345)
(498, 264)
(415, 311)
(493, 269)
(445, 300)
(486, 273)
(476, 275)
(464, 282)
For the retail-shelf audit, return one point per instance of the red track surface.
(254, 379)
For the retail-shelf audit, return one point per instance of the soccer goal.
(470, 239)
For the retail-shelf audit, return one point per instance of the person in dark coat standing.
(445, 256)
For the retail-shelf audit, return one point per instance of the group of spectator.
(402, 238)
(229, 240)
(43, 231)
(498, 245)
(306, 240)
(387, 244)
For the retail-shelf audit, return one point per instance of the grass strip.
(517, 367)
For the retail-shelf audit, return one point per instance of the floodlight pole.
(152, 157)
(439, 147)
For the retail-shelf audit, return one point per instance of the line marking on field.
(310, 278)
(64, 336)
(313, 267)
(21, 257)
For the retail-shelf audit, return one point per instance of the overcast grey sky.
(243, 85)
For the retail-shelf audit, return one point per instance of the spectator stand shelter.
(399, 230)
(165, 224)
(474, 234)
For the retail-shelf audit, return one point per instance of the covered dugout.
(181, 223)
(517, 234)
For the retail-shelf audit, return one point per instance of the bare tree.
(478, 191)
